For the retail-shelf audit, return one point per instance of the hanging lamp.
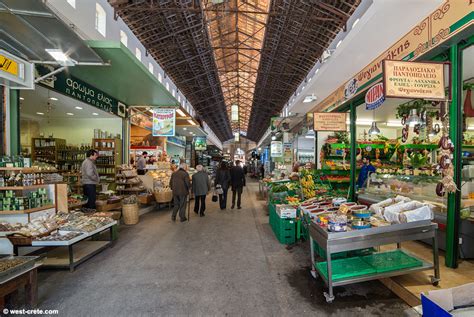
(413, 118)
(374, 130)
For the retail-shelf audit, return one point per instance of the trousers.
(200, 204)
(89, 191)
(223, 198)
(236, 192)
(179, 204)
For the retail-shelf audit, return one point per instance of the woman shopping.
(222, 183)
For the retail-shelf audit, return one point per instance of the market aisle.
(225, 263)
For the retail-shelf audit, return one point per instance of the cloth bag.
(219, 190)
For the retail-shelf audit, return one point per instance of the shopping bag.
(214, 197)
(219, 190)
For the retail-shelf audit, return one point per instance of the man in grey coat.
(180, 185)
(90, 178)
(201, 186)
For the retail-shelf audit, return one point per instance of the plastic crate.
(361, 252)
(284, 229)
(391, 261)
(322, 253)
(346, 268)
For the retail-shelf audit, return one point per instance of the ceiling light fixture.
(53, 98)
(185, 129)
(95, 114)
(69, 113)
(192, 122)
(374, 130)
(60, 57)
(338, 43)
(40, 113)
(78, 108)
(21, 98)
(181, 113)
(234, 113)
(310, 98)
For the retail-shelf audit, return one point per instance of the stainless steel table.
(333, 242)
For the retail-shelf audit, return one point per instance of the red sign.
(374, 97)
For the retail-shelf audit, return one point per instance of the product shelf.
(24, 187)
(25, 211)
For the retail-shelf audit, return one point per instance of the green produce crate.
(391, 261)
(346, 268)
(322, 253)
(284, 229)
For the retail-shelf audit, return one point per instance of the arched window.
(160, 78)
(100, 19)
(150, 67)
(168, 86)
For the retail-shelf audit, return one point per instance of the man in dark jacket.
(237, 181)
(223, 180)
(201, 186)
(180, 185)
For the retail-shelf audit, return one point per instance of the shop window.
(138, 54)
(160, 77)
(123, 38)
(72, 3)
(100, 19)
(150, 67)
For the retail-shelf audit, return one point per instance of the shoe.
(232, 207)
(184, 219)
(239, 207)
(202, 215)
(173, 218)
(196, 212)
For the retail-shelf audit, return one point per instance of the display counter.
(360, 269)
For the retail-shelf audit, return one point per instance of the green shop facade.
(446, 35)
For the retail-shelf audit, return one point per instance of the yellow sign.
(330, 121)
(8, 65)
(451, 17)
(414, 80)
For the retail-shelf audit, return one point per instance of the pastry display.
(60, 237)
(10, 263)
(9, 227)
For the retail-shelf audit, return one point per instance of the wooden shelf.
(24, 187)
(26, 211)
(132, 189)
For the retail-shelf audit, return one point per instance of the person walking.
(237, 180)
(141, 163)
(90, 178)
(262, 171)
(180, 185)
(223, 180)
(201, 186)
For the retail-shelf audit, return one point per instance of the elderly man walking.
(180, 185)
(201, 186)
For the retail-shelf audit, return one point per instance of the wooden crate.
(109, 207)
(146, 199)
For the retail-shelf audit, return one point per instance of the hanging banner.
(330, 121)
(276, 149)
(200, 143)
(164, 121)
(374, 97)
(414, 80)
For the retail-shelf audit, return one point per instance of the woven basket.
(130, 214)
(164, 197)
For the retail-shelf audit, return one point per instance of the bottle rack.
(46, 149)
(110, 157)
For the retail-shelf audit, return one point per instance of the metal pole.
(455, 133)
(353, 151)
(316, 149)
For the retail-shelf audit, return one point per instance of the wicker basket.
(130, 214)
(164, 197)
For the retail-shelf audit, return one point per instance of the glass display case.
(421, 188)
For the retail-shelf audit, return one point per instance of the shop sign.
(200, 143)
(276, 149)
(8, 65)
(414, 80)
(164, 121)
(73, 87)
(374, 97)
(450, 18)
(330, 121)
(175, 140)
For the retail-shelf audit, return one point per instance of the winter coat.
(237, 177)
(223, 178)
(201, 183)
(89, 175)
(179, 183)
